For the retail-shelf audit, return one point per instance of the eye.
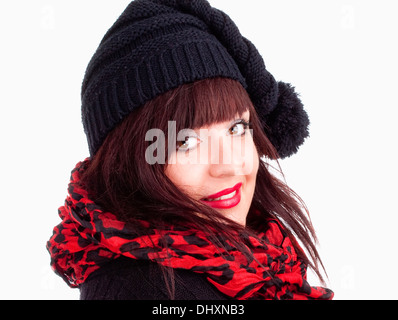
(239, 128)
(188, 144)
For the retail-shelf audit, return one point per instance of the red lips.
(224, 203)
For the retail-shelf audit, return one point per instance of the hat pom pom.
(287, 124)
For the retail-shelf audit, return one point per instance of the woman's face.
(217, 165)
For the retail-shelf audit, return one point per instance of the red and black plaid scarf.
(88, 237)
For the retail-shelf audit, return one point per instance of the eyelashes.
(190, 142)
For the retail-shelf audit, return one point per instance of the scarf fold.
(88, 237)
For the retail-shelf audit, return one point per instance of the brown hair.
(122, 182)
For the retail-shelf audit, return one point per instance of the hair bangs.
(208, 101)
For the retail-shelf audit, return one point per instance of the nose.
(227, 158)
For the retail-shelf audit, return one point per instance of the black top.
(129, 279)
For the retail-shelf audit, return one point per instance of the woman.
(176, 200)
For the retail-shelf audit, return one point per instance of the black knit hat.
(158, 45)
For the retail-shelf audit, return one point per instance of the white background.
(341, 55)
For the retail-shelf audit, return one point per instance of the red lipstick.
(229, 198)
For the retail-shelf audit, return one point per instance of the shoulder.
(129, 279)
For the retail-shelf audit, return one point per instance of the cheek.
(256, 161)
(185, 177)
(252, 161)
(251, 176)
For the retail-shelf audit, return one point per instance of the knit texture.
(128, 279)
(158, 45)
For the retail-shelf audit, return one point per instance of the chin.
(237, 214)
